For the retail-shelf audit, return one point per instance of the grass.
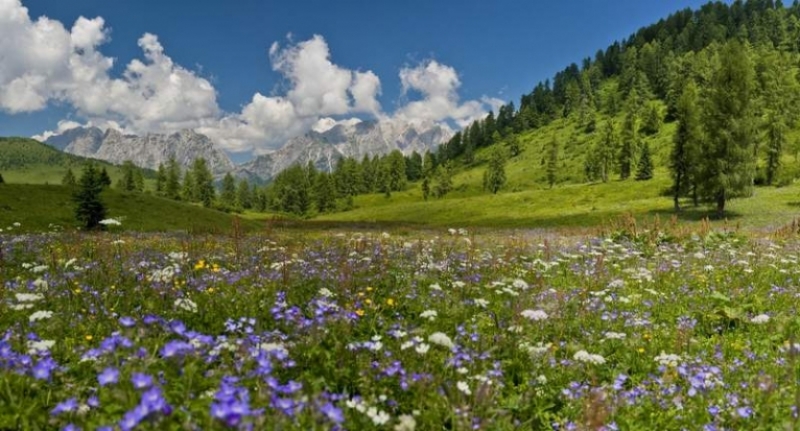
(37, 207)
(27, 161)
(424, 331)
(577, 205)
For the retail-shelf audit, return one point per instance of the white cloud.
(42, 61)
(438, 84)
(62, 127)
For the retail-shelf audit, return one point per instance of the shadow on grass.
(793, 204)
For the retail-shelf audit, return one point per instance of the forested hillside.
(707, 98)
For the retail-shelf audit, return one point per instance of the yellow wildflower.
(360, 312)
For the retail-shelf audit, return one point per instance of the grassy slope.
(526, 201)
(37, 206)
(27, 161)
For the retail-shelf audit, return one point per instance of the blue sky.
(462, 57)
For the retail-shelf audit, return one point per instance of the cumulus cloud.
(154, 94)
(438, 84)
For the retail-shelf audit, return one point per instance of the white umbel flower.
(589, 358)
(760, 319)
(40, 315)
(186, 304)
(667, 359)
(441, 339)
(535, 315)
(464, 387)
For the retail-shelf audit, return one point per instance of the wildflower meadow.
(443, 330)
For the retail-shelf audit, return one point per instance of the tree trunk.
(720, 204)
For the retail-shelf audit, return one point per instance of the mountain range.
(322, 147)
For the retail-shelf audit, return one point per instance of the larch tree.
(685, 160)
(728, 156)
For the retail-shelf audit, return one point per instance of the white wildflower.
(110, 222)
(535, 350)
(441, 339)
(325, 292)
(407, 345)
(40, 315)
(19, 307)
(429, 314)
(39, 268)
(480, 302)
(273, 347)
(40, 346)
(516, 329)
(28, 297)
(667, 359)
(436, 286)
(520, 284)
(462, 370)
(459, 284)
(589, 358)
(542, 380)
(422, 348)
(760, 319)
(41, 284)
(378, 417)
(535, 315)
(406, 423)
(186, 304)
(614, 335)
(463, 387)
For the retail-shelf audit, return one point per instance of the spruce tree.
(605, 150)
(514, 147)
(138, 179)
(324, 193)
(105, 179)
(161, 179)
(244, 195)
(188, 192)
(494, 178)
(228, 195)
(644, 169)
(128, 181)
(203, 182)
(172, 186)
(729, 160)
(552, 162)
(69, 179)
(629, 144)
(426, 187)
(89, 208)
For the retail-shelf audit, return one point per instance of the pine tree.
(188, 192)
(89, 209)
(644, 169)
(244, 195)
(605, 150)
(105, 179)
(685, 160)
(629, 144)
(426, 188)
(128, 181)
(203, 182)
(138, 179)
(552, 162)
(729, 162)
(652, 119)
(161, 179)
(325, 193)
(172, 186)
(443, 180)
(514, 147)
(494, 178)
(397, 171)
(2, 180)
(69, 179)
(227, 196)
